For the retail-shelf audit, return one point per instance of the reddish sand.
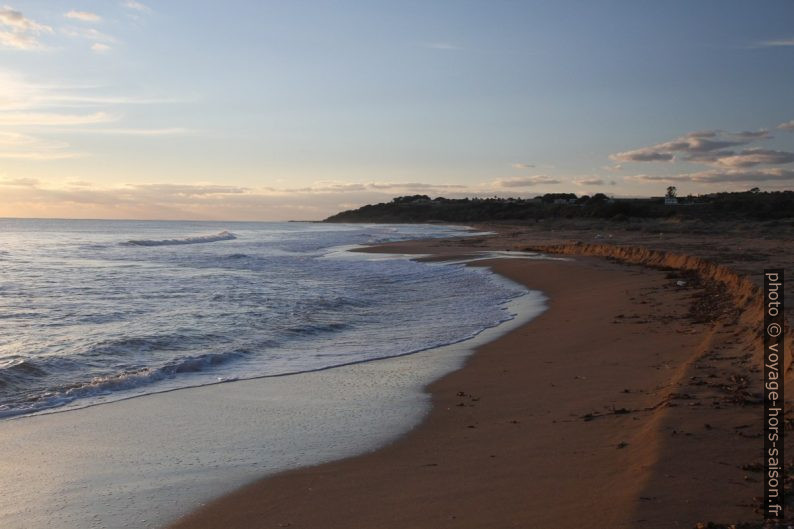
(613, 409)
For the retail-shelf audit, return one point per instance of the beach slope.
(567, 420)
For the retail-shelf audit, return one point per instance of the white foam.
(198, 239)
(143, 462)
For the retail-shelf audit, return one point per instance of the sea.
(93, 311)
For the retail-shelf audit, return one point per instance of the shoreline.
(161, 455)
(499, 449)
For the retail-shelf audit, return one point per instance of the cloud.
(788, 125)
(14, 139)
(521, 165)
(136, 6)
(88, 33)
(101, 40)
(525, 181)
(702, 134)
(83, 16)
(761, 134)
(708, 157)
(30, 198)
(38, 155)
(17, 21)
(698, 145)
(18, 146)
(189, 190)
(594, 182)
(19, 182)
(20, 32)
(414, 185)
(33, 107)
(347, 187)
(776, 43)
(752, 157)
(703, 146)
(648, 154)
(722, 176)
(19, 41)
(715, 148)
(39, 118)
(18, 92)
(169, 131)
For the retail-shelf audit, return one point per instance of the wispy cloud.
(20, 93)
(20, 32)
(40, 118)
(522, 165)
(762, 134)
(722, 176)
(28, 197)
(20, 41)
(83, 16)
(646, 154)
(136, 6)
(788, 125)
(776, 43)
(169, 131)
(39, 155)
(14, 138)
(32, 112)
(189, 190)
(14, 145)
(88, 33)
(19, 182)
(525, 181)
(347, 187)
(218, 201)
(101, 41)
(594, 182)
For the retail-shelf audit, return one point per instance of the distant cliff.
(753, 205)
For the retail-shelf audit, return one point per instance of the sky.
(260, 110)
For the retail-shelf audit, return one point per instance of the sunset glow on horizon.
(274, 111)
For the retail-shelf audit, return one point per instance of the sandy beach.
(143, 460)
(631, 402)
(396, 265)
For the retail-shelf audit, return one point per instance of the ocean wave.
(114, 382)
(138, 344)
(198, 239)
(269, 304)
(18, 370)
(313, 329)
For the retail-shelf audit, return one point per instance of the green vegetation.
(750, 205)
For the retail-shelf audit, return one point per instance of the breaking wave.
(105, 384)
(93, 319)
(198, 239)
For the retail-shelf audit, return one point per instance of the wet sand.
(629, 403)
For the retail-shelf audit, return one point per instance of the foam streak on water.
(92, 311)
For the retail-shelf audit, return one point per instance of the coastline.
(143, 461)
(678, 442)
(582, 407)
